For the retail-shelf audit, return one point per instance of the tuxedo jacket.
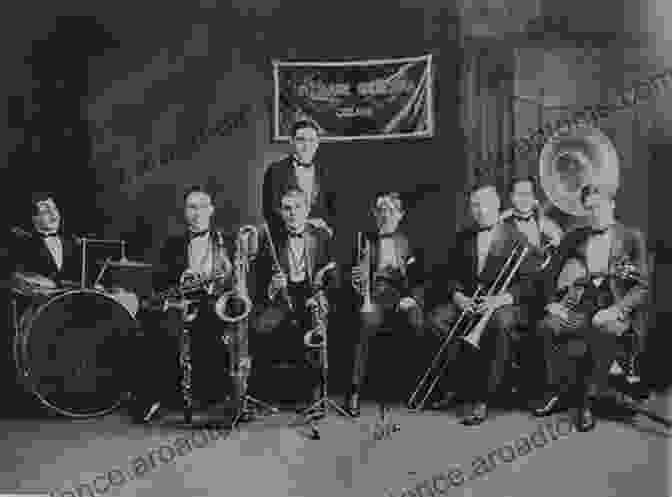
(31, 255)
(174, 258)
(319, 253)
(412, 261)
(462, 264)
(626, 242)
(281, 175)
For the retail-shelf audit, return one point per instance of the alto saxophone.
(319, 308)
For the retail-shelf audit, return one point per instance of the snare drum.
(71, 350)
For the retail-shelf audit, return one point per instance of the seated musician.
(478, 256)
(526, 217)
(608, 306)
(45, 251)
(199, 252)
(394, 280)
(286, 269)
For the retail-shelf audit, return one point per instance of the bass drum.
(71, 352)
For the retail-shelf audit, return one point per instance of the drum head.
(72, 352)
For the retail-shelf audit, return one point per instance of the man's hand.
(558, 309)
(462, 301)
(318, 222)
(607, 315)
(407, 303)
(278, 282)
(492, 303)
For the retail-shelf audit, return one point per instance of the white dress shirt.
(306, 179)
(530, 229)
(598, 248)
(387, 254)
(200, 255)
(297, 259)
(55, 246)
(483, 242)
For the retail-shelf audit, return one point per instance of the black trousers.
(478, 373)
(158, 361)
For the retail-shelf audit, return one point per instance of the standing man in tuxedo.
(45, 250)
(478, 255)
(615, 304)
(396, 285)
(300, 171)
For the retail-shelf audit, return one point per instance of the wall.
(174, 74)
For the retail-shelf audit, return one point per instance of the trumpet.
(364, 262)
(468, 327)
(238, 298)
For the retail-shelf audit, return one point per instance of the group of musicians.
(397, 291)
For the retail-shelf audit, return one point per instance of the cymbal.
(128, 263)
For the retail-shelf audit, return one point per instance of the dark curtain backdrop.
(487, 85)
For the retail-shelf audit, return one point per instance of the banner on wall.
(357, 100)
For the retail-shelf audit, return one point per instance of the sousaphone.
(572, 159)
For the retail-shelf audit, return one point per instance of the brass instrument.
(572, 159)
(364, 262)
(468, 327)
(239, 293)
(319, 308)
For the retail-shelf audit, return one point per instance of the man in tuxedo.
(299, 171)
(612, 305)
(199, 252)
(45, 251)
(476, 259)
(396, 285)
(525, 216)
(284, 293)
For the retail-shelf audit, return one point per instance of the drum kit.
(69, 337)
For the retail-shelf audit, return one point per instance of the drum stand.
(324, 403)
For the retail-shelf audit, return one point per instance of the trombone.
(468, 327)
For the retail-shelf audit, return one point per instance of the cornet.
(238, 297)
(364, 262)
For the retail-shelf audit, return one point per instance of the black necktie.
(295, 234)
(301, 164)
(48, 235)
(385, 235)
(484, 228)
(198, 234)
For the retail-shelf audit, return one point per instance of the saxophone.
(239, 294)
(319, 308)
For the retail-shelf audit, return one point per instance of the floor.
(268, 457)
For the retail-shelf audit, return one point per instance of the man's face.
(306, 141)
(600, 209)
(484, 204)
(294, 211)
(198, 210)
(387, 216)
(522, 197)
(47, 218)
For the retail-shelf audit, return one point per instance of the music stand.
(324, 403)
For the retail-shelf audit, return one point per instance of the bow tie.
(484, 229)
(520, 217)
(48, 235)
(198, 234)
(385, 235)
(301, 164)
(598, 231)
(295, 234)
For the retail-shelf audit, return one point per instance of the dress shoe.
(477, 415)
(352, 405)
(548, 405)
(585, 420)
